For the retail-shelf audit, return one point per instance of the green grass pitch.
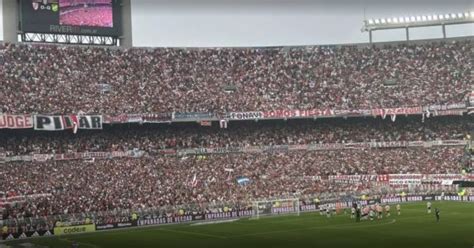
(414, 228)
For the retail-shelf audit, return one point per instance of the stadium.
(120, 127)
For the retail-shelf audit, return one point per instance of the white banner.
(62, 122)
(245, 115)
(16, 121)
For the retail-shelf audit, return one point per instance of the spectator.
(239, 134)
(58, 79)
(70, 187)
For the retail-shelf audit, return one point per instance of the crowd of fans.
(65, 187)
(60, 79)
(57, 79)
(151, 138)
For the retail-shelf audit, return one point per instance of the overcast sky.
(278, 22)
(203, 23)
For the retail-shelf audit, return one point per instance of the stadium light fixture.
(419, 20)
(407, 22)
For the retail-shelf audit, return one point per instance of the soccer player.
(437, 214)
(380, 211)
(398, 209)
(428, 207)
(365, 212)
(373, 207)
(372, 214)
(328, 211)
(353, 212)
(358, 214)
(387, 210)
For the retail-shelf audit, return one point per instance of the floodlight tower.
(407, 22)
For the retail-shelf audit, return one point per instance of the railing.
(125, 218)
(230, 150)
(99, 217)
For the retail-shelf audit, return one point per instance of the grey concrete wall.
(126, 38)
(10, 20)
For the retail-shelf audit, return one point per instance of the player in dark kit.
(437, 214)
(357, 214)
(357, 211)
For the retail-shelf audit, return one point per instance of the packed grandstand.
(166, 132)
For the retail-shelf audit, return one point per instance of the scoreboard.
(78, 17)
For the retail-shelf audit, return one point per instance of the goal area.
(275, 207)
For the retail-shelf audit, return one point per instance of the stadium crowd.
(57, 79)
(60, 187)
(60, 79)
(151, 138)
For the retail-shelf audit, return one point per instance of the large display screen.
(87, 17)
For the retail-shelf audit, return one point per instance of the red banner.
(124, 118)
(397, 111)
(352, 178)
(383, 178)
(298, 113)
(16, 121)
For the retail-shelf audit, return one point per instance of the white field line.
(192, 233)
(81, 243)
(351, 225)
(213, 222)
